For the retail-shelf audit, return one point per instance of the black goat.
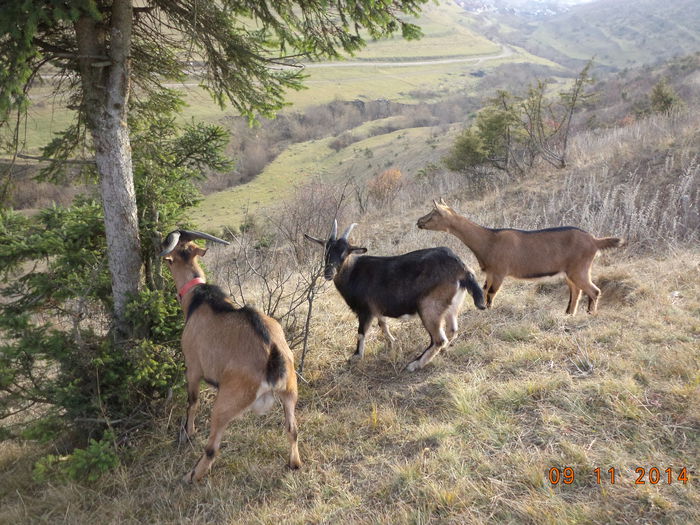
(431, 283)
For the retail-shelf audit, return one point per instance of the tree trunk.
(104, 68)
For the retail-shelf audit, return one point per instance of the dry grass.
(470, 439)
(640, 182)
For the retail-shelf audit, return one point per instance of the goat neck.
(341, 277)
(476, 237)
(183, 274)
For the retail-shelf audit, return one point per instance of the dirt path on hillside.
(504, 53)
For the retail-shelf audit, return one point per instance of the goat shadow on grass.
(385, 364)
(620, 290)
(384, 369)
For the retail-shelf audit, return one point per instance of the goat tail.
(609, 242)
(275, 369)
(469, 283)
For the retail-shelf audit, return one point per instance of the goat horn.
(347, 232)
(334, 231)
(189, 235)
(176, 236)
(172, 239)
(442, 201)
(435, 203)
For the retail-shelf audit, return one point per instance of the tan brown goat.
(526, 254)
(240, 351)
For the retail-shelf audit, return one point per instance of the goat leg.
(365, 322)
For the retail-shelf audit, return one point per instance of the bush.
(467, 152)
(343, 141)
(663, 98)
(88, 464)
(384, 188)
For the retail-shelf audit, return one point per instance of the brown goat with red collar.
(240, 351)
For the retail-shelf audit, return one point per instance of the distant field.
(408, 150)
(323, 85)
(446, 33)
(45, 117)
(408, 84)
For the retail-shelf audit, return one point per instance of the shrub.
(61, 371)
(343, 141)
(663, 98)
(467, 152)
(384, 188)
(88, 464)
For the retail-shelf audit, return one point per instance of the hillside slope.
(479, 436)
(408, 150)
(618, 33)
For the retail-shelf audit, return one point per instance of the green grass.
(296, 165)
(447, 33)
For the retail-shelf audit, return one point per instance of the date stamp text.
(643, 475)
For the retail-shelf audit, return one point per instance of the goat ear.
(356, 249)
(200, 251)
(168, 258)
(443, 206)
(314, 239)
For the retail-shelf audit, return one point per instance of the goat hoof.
(188, 478)
(294, 465)
(182, 437)
(355, 357)
(413, 366)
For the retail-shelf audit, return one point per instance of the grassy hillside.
(618, 33)
(315, 160)
(469, 440)
(473, 437)
(447, 33)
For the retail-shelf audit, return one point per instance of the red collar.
(188, 286)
